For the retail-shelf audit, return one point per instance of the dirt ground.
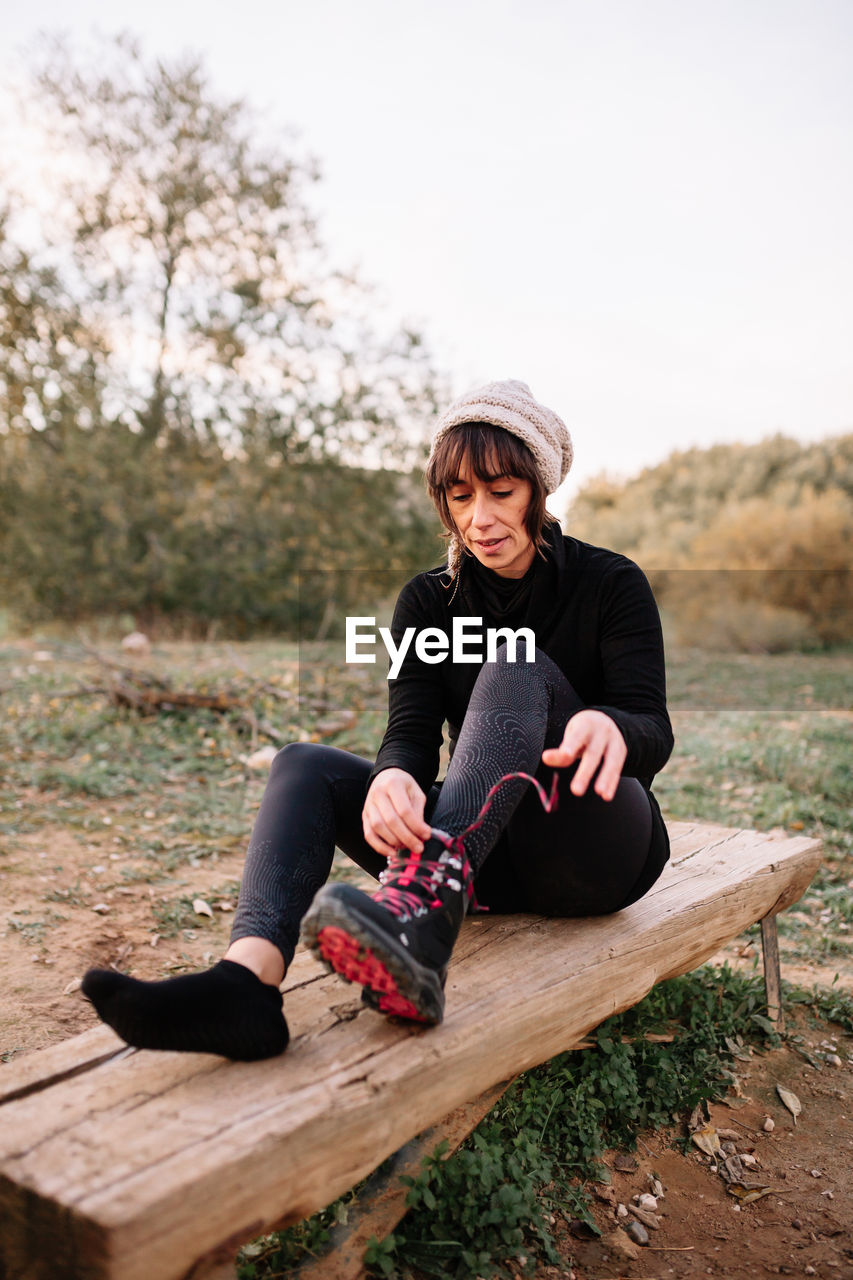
(802, 1227)
(92, 921)
(71, 901)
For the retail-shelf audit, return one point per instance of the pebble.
(646, 1216)
(809, 1271)
(262, 758)
(816, 1173)
(769, 1124)
(621, 1211)
(797, 1224)
(637, 1233)
(833, 1060)
(657, 1188)
(646, 1201)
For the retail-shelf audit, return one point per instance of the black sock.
(226, 1010)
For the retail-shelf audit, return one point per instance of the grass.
(33, 931)
(760, 741)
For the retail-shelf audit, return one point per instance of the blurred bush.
(187, 542)
(748, 547)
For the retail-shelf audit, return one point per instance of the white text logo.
(433, 645)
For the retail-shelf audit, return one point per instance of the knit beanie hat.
(511, 405)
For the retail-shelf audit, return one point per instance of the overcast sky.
(643, 208)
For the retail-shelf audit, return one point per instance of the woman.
(589, 703)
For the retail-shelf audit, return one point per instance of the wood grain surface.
(119, 1164)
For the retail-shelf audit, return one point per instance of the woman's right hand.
(393, 814)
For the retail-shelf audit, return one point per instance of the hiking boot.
(397, 941)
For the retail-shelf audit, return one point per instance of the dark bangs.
(489, 452)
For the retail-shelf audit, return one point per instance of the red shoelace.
(428, 876)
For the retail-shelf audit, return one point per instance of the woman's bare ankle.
(261, 956)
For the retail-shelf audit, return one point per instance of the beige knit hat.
(511, 405)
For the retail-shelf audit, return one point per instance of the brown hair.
(489, 452)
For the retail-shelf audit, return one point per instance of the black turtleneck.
(592, 611)
(504, 599)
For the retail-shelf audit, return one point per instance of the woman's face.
(489, 515)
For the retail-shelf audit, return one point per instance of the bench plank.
(145, 1165)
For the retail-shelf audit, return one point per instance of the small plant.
(274, 1255)
(833, 1003)
(33, 931)
(174, 916)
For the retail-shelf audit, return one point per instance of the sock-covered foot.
(226, 1010)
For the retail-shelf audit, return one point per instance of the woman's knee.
(308, 760)
(297, 757)
(304, 763)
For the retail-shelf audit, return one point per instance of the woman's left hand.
(595, 740)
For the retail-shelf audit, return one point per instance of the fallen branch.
(144, 698)
(145, 691)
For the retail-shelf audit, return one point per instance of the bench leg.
(772, 975)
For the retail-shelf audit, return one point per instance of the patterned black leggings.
(582, 859)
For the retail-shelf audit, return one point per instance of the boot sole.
(393, 982)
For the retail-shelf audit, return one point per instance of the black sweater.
(592, 612)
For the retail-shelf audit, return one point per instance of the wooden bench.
(136, 1165)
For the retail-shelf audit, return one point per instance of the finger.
(589, 762)
(410, 810)
(610, 773)
(375, 820)
(415, 816)
(399, 826)
(379, 835)
(376, 842)
(606, 781)
(574, 742)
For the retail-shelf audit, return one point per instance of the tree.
(186, 248)
(169, 330)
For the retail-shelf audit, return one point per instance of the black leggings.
(584, 858)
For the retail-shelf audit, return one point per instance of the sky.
(642, 208)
